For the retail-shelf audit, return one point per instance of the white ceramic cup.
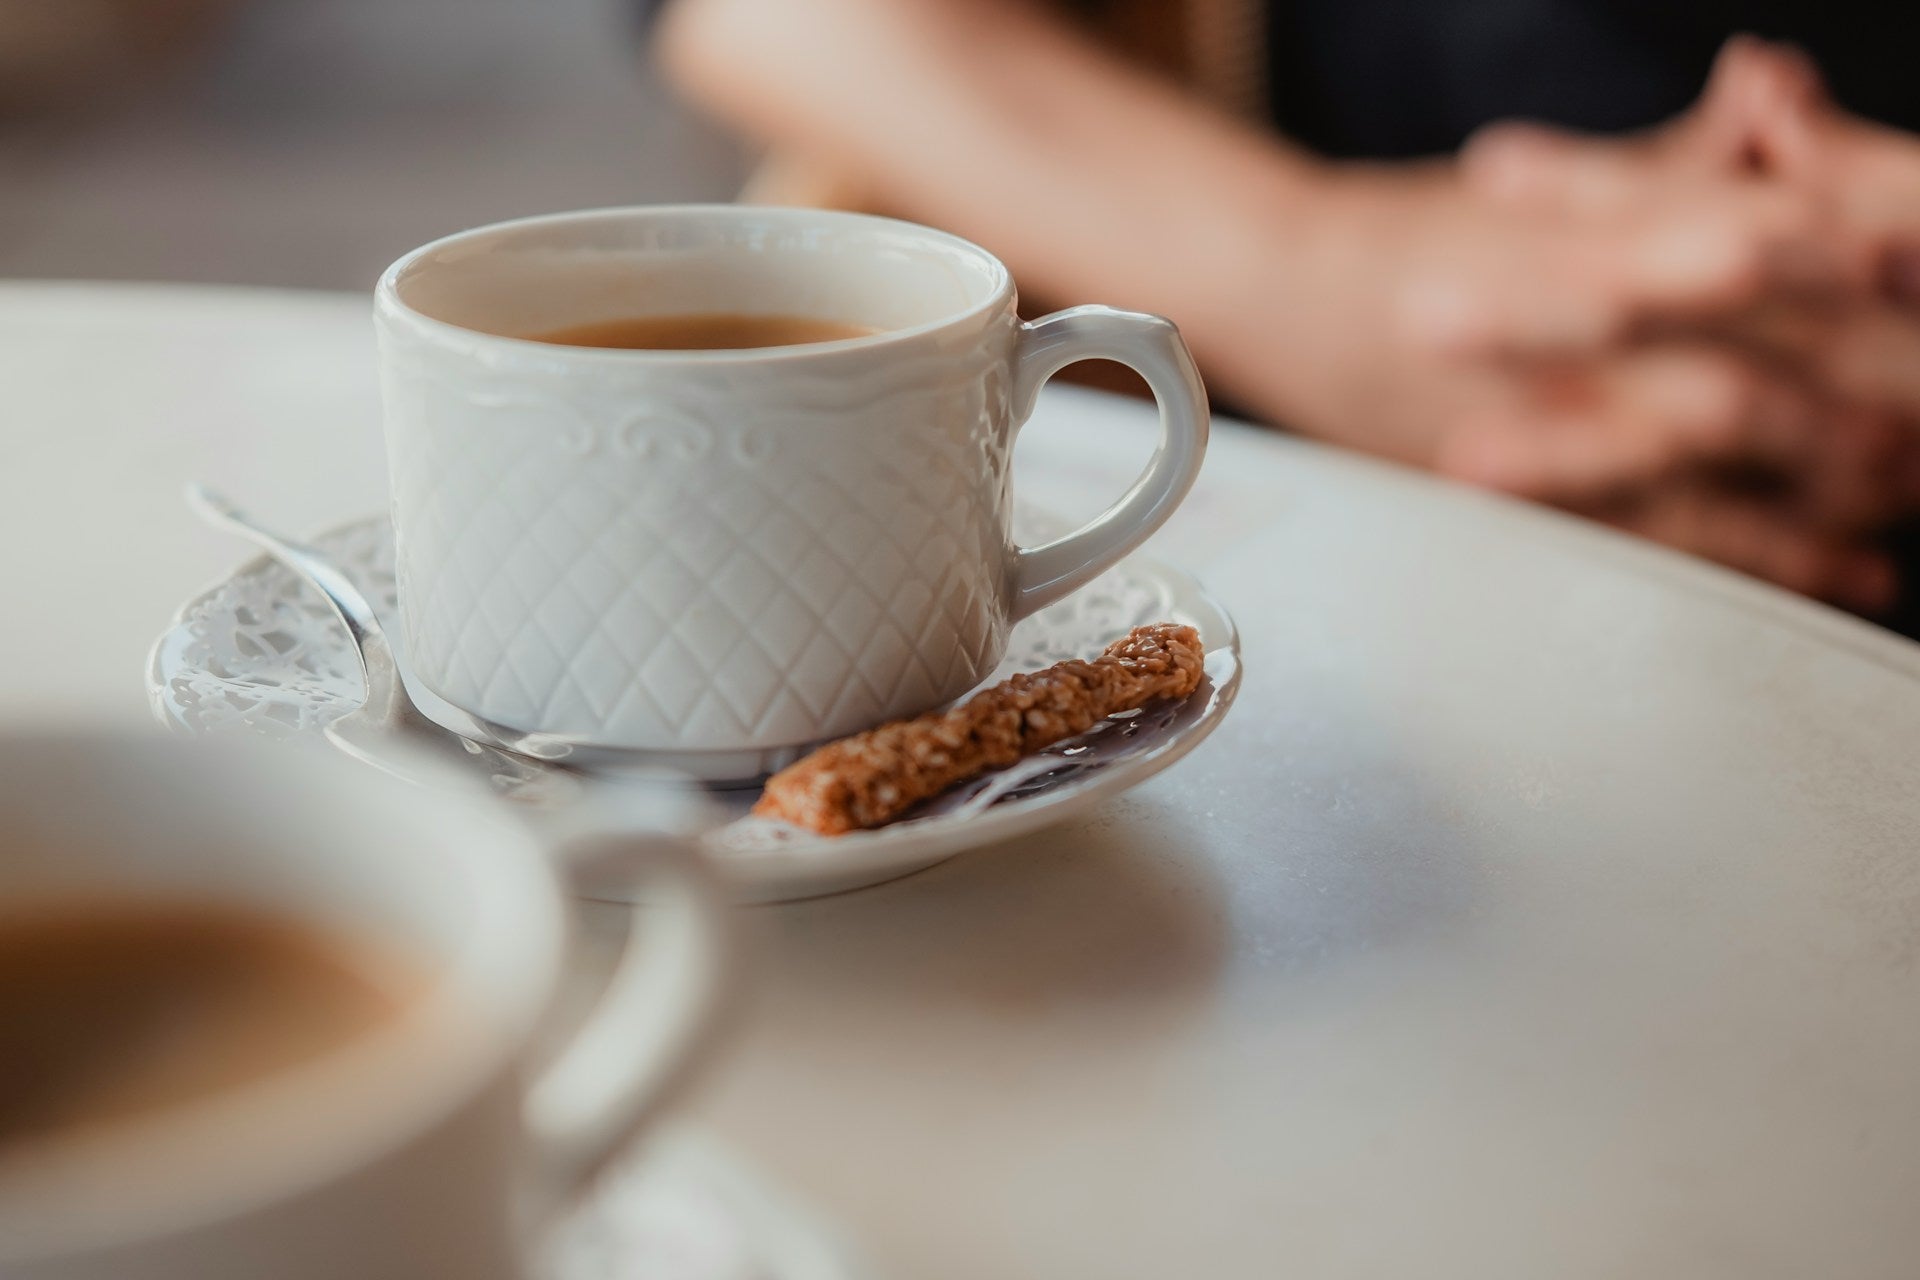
(717, 558)
(434, 1145)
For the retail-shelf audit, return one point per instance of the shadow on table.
(1287, 849)
(1092, 911)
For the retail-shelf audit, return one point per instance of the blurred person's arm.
(1097, 182)
(1338, 299)
(1093, 181)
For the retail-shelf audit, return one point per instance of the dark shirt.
(1397, 78)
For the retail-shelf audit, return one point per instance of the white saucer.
(260, 652)
(685, 1208)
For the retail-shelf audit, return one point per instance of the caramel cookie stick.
(871, 777)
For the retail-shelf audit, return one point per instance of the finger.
(1758, 96)
(1862, 372)
(1873, 354)
(1863, 479)
(1532, 166)
(1768, 540)
(1510, 284)
(1656, 413)
(1867, 353)
(1634, 418)
(1755, 95)
(1794, 132)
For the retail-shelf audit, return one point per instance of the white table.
(1549, 906)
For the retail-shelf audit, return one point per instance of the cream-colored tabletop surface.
(1548, 906)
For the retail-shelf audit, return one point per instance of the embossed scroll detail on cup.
(694, 551)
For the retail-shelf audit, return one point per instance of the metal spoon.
(388, 730)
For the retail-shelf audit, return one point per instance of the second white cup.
(440, 1142)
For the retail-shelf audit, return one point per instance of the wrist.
(1288, 276)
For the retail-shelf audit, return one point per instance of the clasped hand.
(1709, 334)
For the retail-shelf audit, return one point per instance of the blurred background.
(311, 142)
(1350, 206)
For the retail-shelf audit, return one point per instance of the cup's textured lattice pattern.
(262, 653)
(693, 572)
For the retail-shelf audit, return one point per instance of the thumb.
(1758, 112)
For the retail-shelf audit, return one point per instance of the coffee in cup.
(119, 1010)
(723, 331)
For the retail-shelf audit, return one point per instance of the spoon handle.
(356, 614)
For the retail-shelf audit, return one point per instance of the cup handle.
(1152, 347)
(652, 1023)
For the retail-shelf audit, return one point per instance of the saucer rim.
(819, 866)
